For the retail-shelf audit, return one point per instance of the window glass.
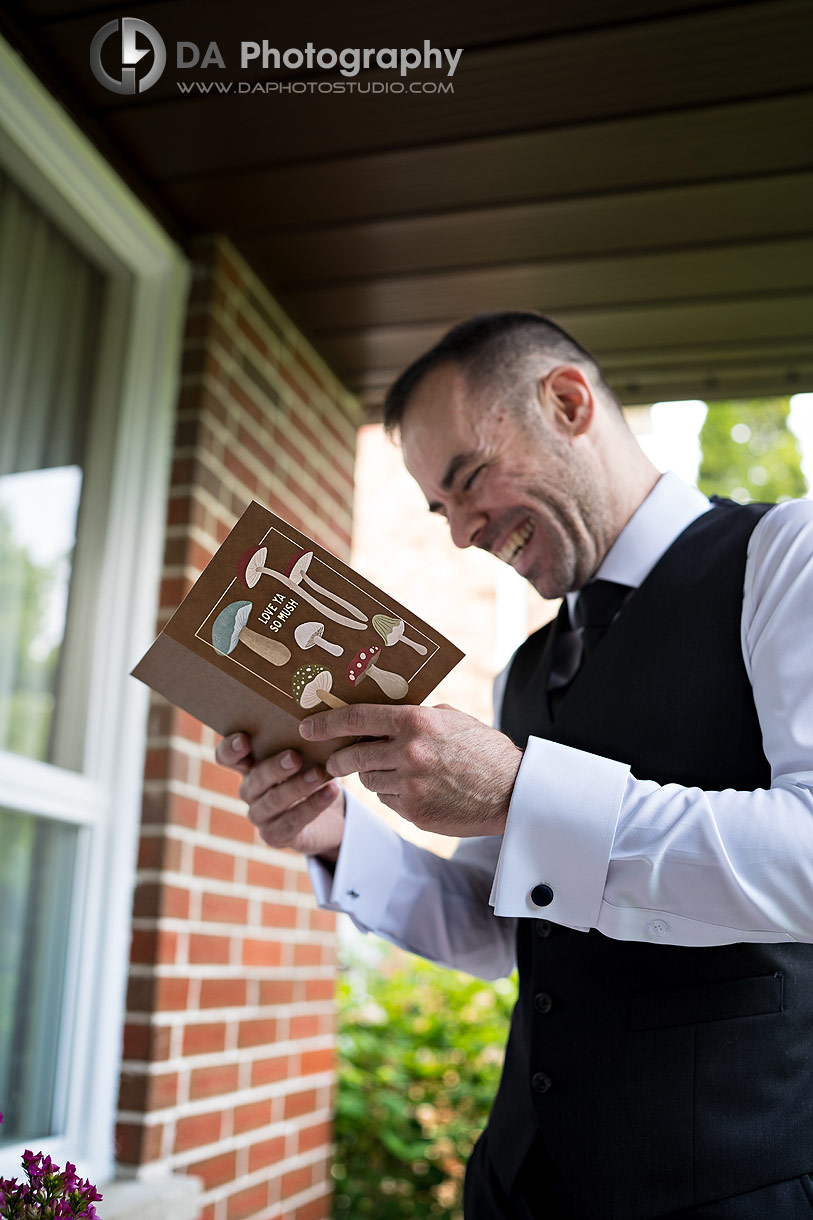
(36, 881)
(51, 299)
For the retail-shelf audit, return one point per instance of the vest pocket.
(698, 1002)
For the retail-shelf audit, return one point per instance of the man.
(639, 837)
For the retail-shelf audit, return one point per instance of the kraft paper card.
(277, 628)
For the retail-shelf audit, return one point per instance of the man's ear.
(568, 397)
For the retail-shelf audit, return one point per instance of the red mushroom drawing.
(311, 686)
(311, 635)
(251, 566)
(363, 665)
(297, 571)
(229, 629)
(392, 630)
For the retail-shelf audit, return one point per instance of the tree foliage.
(421, 1050)
(749, 452)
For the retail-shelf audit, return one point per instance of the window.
(91, 294)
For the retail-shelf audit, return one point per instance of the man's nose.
(465, 527)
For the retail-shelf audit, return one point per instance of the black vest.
(661, 1077)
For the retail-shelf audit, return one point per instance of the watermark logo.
(130, 55)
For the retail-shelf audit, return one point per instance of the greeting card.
(276, 628)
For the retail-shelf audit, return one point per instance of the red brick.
(232, 826)
(249, 1202)
(268, 1071)
(183, 811)
(320, 989)
(217, 864)
(197, 1130)
(214, 778)
(318, 1136)
(269, 1152)
(317, 1209)
(137, 1144)
(318, 1061)
(222, 993)
(209, 950)
(170, 994)
(269, 876)
(279, 991)
(205, 1039)
(300, 1103)
(321, 921)
(256, 1033)
(262, 953)
(215, 1170)
(255, 1114)
(279, 915)
(211, 1081)
(309, 955)
(153, 945)
(296, 1181)
(306, 1025)
(223, 908)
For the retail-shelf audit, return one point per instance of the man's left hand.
(437, 767)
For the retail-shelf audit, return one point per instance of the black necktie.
(596, 606)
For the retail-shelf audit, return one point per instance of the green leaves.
(421, 1052)
(749, 452)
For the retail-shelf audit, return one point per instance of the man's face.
(519, 489)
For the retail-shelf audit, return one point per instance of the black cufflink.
(542, 895)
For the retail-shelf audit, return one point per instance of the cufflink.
(542, 895)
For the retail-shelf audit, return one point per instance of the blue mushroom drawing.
(229, 629)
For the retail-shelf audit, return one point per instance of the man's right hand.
(303, 810)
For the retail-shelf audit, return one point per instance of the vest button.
(541, 1082)
(543, 1002)
(544, 927)
(542, 895)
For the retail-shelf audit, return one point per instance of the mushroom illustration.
(392, 630)
(229, 628)
(311, 686)
(297, 571)
(310, 635)
(363, 665)
(251, 566)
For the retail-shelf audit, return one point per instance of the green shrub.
(421, 1051)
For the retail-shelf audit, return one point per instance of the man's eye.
(469, 483)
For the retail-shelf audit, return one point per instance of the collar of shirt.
(668, 510)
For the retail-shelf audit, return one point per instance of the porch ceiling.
(640, 170)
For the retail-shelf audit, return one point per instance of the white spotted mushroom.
(229, 629)
(312, 635)
(251, 566)
(363, 666)
(311, 686)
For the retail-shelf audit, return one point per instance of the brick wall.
(229, 1039)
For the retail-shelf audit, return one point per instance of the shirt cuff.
(559, 834)
(366, 872)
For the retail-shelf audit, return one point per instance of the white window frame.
(139, 350)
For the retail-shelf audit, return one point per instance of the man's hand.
(436, 767)
(289, 807)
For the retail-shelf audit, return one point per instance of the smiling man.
(637, 834)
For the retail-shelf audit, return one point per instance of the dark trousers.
(540, 1193)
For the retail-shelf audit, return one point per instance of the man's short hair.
(495, 351)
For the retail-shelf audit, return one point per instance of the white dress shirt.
(638, 860)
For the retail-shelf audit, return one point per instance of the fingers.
(235, 752)
(362, 756)
(269, 799)
(356, 720)
(275, 769)
(283, 829)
